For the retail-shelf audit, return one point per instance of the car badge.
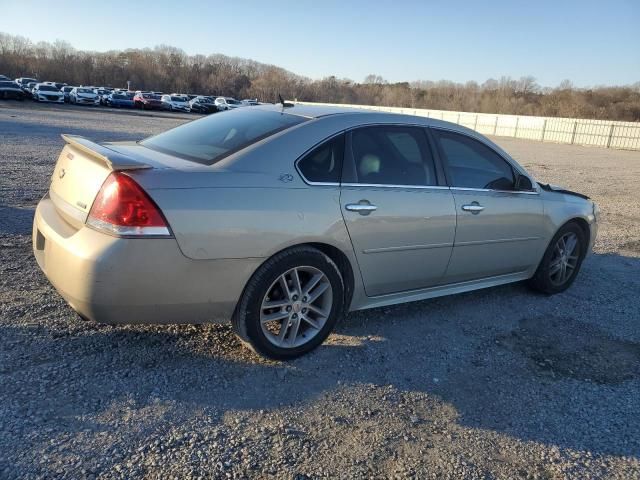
(286, 177)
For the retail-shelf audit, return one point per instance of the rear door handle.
(474, 208)
(362, 208)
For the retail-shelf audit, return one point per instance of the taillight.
(122, 207)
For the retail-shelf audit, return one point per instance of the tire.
(262, 337)
(547, 279)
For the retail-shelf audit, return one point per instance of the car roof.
(316, 111)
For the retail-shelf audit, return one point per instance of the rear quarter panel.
(251, 222)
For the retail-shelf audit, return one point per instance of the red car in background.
(147, 101)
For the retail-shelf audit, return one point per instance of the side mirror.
(523, 183)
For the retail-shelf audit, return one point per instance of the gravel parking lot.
(500, 383)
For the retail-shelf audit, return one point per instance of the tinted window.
(47, 88)
(214, 137)
(324, 163)
(392, 156)
(471, 164)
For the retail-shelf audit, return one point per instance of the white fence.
(578, 131)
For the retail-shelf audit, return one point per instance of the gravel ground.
(500, 383)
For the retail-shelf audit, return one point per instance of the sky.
(588, 42)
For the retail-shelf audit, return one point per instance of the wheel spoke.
(285, 287)
(271, 317)
(312, 283)
(293, 331)
(311, 322)
(571, 243)
(317, 292)
(319, 311)
(555, 267)
(283, 332)
(275, 303)
(296, 281)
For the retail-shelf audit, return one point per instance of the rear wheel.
(291, 304)
(562, 260)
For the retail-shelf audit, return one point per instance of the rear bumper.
(117, 280)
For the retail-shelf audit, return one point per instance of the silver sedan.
(282, 218)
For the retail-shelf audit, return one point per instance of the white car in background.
(43, 92)
(227, 103)
(176, 102)
(84, 96)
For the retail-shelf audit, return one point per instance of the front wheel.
(562, 260)
(291, 304)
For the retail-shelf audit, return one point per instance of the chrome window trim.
(382, 185)
(467, 189)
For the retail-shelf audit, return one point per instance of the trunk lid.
(80, 171)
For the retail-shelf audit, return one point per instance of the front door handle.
(363, 207)
(474, 208)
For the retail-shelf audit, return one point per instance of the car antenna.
(284, 104)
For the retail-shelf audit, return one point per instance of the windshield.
(85, 90)
(205, 99)
(233, 101)
(212, 138)
(8, 84)
(178, 99)
(47, 88)
(119, 96)
(67, 89)
(151, 96)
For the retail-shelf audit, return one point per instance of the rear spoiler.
(114, 160)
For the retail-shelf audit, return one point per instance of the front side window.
(212, 138)
(324, 163)
(471, 164)
(392, 155)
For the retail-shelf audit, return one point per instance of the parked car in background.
(103, 93)
(84, 96)
(29, 88)
(43, 92)
(147, 101)
(9, 90)
(4, 78)
(203, 104)
(120, 100)
(58, 85)
(227, 103)
(66, 90)
(176, 102)
(23, 82)
(250, 102)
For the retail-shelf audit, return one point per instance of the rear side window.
(472, 164)
(391, 155)
(212, 138)
(324, 163)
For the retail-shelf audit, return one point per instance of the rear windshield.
(212, 138)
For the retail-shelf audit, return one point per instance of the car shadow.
(563, 370)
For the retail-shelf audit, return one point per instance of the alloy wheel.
(296, 307)
(564, 261)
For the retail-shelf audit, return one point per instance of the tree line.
(169, 69)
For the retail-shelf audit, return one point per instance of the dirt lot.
(500, 383)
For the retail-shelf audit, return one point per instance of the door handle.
(363, 207)
(474, 208)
